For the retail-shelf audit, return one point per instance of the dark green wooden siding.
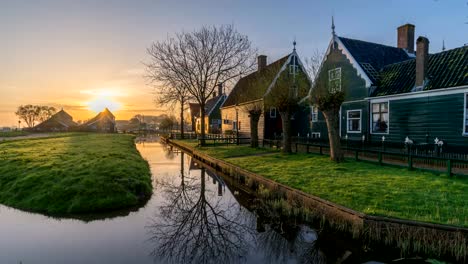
(424, 119)
(353, 86)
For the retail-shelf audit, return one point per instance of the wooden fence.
(407, 159)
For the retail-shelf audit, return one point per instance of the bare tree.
(170, 95)
(312, 63)
(192, 229)
(254, 110)
(34, 113)
(198, 61)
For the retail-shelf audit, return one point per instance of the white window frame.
(317, 134)
(360, 121)
(465, 114)
(371, 114)
(337, 76)
(314, 114)
(272, 110)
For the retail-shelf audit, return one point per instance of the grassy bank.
(365, 187)
(75, 173)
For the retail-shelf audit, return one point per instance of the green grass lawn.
(14, 133)
(74, 173)
(223, 152)
(365, 187)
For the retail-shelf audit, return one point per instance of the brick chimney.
(422, 60)
(262, 62)
(406, 37)
(220, 88)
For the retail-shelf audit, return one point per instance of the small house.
(103, 122)
(212, 112)
(59, 122)
(251, 91)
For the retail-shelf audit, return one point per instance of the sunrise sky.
(87, 55)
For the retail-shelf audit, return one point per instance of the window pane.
(354, 114)
(375, 117)
(384, 107)
(375, 108)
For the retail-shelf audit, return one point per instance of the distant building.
(59, 122)
(103, 122)
(194, 109)
(212, 113)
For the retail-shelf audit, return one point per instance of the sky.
(86, 55)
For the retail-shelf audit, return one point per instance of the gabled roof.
(372, 57)
(247, 88)
(211, 104)
(445, 69)
(61, 118)
(106, 114)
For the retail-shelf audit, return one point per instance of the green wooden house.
(397, 93)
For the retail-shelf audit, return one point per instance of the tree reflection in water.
(194, 225)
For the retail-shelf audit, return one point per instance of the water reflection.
(195, 225)
(224, 222)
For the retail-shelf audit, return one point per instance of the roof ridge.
(384, 45)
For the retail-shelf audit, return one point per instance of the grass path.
(73, 173)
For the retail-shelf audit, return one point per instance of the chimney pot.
(406, 37)
(422, 60)
(262, 62)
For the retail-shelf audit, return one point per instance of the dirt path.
(41, 135)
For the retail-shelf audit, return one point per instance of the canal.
(194, 215)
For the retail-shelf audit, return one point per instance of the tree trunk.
(202, 125)
(182, 119)
(332, 119)
(286, 121)
(254, 118)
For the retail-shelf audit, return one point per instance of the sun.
(103, 99)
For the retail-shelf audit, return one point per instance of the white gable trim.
(348, 55)
(353, 61)
(278, 74)
(223, 97)
(420, 94)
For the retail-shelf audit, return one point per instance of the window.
(354, 121)
(234, 125)
(315, 134)
(380, 117)
(272, 112)
(293, 69)
(465, 128)
(314, 114)
(334, 80)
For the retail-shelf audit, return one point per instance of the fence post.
(410, 161)
(307, 148)
(356, 155)
(380, 158)
(449, 167)
(296, 147)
